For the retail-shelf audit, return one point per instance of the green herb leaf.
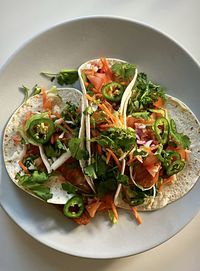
(25, 91)
(107, 186)
(123, 179)
(100, 166)
(141, 115)
(123, 71)
(112, 217)
(75, 149)
(179, 138)
(35, 184)
(144, 95)
(64, 77)
(70, 188)
(118, 138)
(90, 171)
(42, 192)
(88, 110)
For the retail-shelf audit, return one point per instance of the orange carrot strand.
(136, 215)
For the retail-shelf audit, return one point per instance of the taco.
(105, 82)
(42, 142)
(163, 164)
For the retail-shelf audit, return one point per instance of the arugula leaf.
(123, 71)
(70, 188)
(90, 171)
(179, 138)
(76, 151)
(64, 77)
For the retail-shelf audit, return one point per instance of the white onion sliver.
(64, 157)
(45, 160)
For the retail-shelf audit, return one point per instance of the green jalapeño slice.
(41, 130)
(113, 91)
(161, 128)
(74, 207)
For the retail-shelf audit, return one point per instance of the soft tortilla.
(126, 94)
(187, 123)
(13, 153)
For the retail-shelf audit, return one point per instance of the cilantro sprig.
(144, 94)
(36, 183)
(76, 151)
(64, 77)
(117, 139)
(123, 71)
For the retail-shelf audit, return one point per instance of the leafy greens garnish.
(64, 77)
(117, 139)
(70, 188)
(144, 94)
(123, 71)
(35, 90)
(75, 149)
(179, 138)
(36, 184)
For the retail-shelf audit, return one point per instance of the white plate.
(67, 46)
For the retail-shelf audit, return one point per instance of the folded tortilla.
(125, 96)
(14, 153)
(187, 123)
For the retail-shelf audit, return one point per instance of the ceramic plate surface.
(67, 46)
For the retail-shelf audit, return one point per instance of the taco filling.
(118, 144)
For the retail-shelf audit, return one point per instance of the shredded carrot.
(136, 215)
(105, 126)
(16, 139)
(109, 204)
(115, 159)
(167, 181)
(93, 207)
(99, 149)
(84, 219)
(58, 115)
(44, 96)
(108, 157)
(131, 160)
(68, 128)
(114, 209)
(86, 84)
(107, 111)
(124, 83)
(121, 118)
(49, 113)
(89, 97)
(159, 103)
(23, 167)
(98, 95)
(47, 103)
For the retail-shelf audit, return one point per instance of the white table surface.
(21, 20)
